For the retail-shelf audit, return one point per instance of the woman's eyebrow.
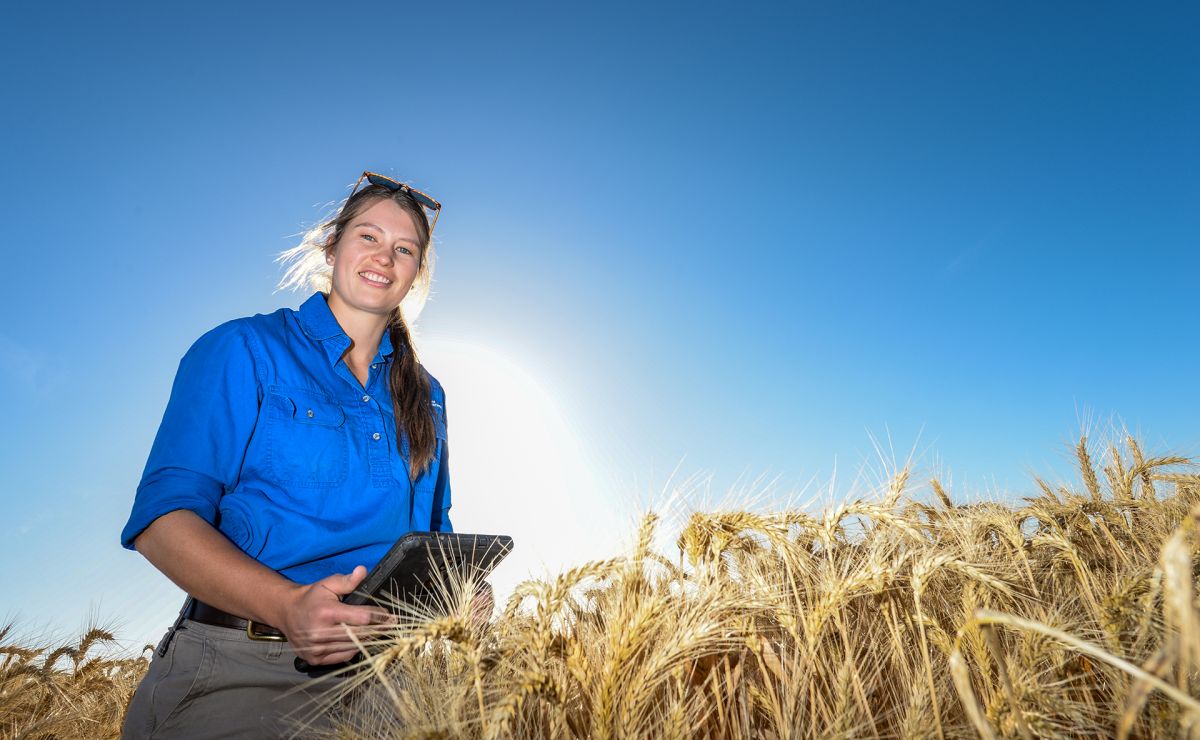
(369, 225)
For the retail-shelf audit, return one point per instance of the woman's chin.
(378, 306)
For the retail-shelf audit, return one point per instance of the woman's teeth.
(375, 278)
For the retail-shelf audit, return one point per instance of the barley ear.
(962, 682)
(1087, 469)
(941, 493)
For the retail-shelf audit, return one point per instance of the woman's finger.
(357, 616)
(337, 657)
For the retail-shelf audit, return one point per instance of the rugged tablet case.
(414, 565)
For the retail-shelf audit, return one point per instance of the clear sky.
(723, 239)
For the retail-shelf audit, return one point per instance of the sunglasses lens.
(385, 182)
(424, 200)
(390, 184)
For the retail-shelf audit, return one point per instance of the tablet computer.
(417, 568)
(419, 561)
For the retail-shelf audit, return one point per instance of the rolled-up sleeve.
(198, 452)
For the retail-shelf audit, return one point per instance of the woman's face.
(376, 259)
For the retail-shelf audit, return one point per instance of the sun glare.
(516, 465)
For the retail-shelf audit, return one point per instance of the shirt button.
(366, 398)
(310, 413)
(375, 436)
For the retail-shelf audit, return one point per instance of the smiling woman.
(296, 447)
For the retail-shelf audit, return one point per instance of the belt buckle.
(261, 638)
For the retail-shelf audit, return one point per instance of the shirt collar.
(385, 345)
(319, 323)
(317, 320)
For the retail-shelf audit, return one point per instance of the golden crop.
(1072, 614)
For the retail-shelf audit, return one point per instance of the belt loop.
(166, 641)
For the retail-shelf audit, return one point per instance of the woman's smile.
(375, 279)
(375, 261)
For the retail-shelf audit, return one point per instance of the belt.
(198, 611)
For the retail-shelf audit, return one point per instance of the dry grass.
(1072, 614)
(67, 691)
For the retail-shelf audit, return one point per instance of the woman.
(296, 447)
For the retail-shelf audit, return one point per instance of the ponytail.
(411, 397)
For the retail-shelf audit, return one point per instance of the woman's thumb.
(342, 584)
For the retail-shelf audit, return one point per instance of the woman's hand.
(482, 604)
(315, 620)
(204, 563)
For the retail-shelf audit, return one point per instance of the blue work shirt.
(269, 437)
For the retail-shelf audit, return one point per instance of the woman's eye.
(368, 236)
(403, 250)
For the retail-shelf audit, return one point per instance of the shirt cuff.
(171, 490)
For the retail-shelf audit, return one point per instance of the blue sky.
(746, 238)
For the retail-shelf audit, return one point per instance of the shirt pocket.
(186, 673)
(307, 438)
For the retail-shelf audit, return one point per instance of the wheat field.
(65, 691)
(1072, 613)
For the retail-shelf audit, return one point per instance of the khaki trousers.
(214, 682)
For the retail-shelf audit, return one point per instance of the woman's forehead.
(388, 217)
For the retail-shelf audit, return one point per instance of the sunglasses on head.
(383, 180)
